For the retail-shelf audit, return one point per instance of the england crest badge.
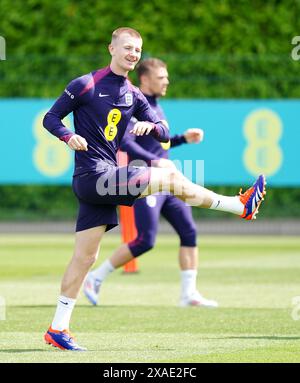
(128, 99)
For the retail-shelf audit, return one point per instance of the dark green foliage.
(58, 203)
(33, 202)
(214, 49)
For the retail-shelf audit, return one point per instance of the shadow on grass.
(31, 306)
(271, 337)
(12, 351)
(97, 307)
(53, 306)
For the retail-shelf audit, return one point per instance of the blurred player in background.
(103, 102)
(154, 81)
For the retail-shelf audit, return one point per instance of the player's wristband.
(66, 137)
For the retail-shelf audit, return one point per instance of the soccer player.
(103, 103)
(154, 80)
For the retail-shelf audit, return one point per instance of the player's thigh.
(161, 179)
(87, 241)
(92, 215)
(146, 212)
(179, 215)
(113, 186)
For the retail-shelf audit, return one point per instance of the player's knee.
(175, 179)
(173, 175)
(139, 247)
(189, 237)
(87, 258)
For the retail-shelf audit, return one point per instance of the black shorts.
(99, 194)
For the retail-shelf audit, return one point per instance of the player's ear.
(111, 49)
(144, 79)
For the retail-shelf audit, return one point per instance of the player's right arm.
(71, 99)
(132, 148)
(137, 152)
(148, 123)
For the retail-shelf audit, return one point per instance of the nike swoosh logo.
(64, 303)
(103, 95)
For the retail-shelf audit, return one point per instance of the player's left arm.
(148, 123)
(135, 151)
(177, 139)
(190, 136)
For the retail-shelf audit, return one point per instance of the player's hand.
(141, 127)
(163, 163)
(194, 135)
(77, 142)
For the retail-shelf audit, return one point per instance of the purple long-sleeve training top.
(102, 103)
(145, 147)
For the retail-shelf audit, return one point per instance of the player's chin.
(163, 92)
(130, 65)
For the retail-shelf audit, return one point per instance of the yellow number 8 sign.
(263, 130)
(50, 156)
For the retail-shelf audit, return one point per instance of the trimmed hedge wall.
(59, 203)
(214, 49)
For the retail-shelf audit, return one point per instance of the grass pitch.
(254, 279)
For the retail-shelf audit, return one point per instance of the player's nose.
(133, 56)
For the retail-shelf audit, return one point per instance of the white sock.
(188, 282)
(103, 271)
(63, 313)
(228, 204)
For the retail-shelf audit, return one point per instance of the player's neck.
(152, 98)
(117, 70)
(147, 92)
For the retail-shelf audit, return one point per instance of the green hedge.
(214, 49)
(59, 203)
